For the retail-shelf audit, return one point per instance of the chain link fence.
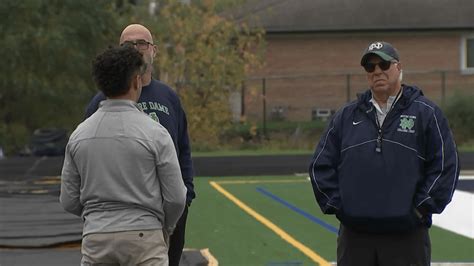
(318, 96)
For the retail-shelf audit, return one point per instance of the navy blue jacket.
(378, 190)
(162, 104)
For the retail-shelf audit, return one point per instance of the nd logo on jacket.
(407, 123)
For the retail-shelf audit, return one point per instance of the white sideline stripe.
(458, 217)
(466, 177)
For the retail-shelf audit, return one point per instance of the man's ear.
(155, 50)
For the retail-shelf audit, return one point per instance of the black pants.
(401, 249)
(177, 240)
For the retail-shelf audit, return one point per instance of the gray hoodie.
(121, 172)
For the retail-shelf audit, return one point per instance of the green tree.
(205, 57)
(45, 74)
(459, 111)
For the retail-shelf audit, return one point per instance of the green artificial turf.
(233, 236)
(236, 238)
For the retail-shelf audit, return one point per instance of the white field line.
(466, 177)
(458, 217)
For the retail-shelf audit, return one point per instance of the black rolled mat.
(36, 221)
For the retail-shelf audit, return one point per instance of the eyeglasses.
(384, 65)
(140, 44)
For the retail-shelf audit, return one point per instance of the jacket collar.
(409, 94)
(113, 105)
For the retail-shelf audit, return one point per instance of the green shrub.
(459, 110)
(276, 135)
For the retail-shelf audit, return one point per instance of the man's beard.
(149, 63)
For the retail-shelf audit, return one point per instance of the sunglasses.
(384, 65)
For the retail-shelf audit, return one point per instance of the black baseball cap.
(383, 49)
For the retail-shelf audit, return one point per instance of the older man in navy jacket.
(386, 162)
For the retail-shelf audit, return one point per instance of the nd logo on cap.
(383, 49)
(375, 45)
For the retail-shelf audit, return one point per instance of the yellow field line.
(261, 181)
(307, 251)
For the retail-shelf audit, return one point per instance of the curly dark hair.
(114, 69)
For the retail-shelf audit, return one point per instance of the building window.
(468, 55)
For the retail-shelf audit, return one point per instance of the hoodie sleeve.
(323, 170)
(441, 166)
(184, 154)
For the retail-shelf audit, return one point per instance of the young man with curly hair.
(121, 173)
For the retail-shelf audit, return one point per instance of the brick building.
(314, 48)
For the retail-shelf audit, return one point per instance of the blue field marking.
(298, 210)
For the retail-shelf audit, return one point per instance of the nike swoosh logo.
(356, 123)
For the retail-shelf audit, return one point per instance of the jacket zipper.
(378, 148)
